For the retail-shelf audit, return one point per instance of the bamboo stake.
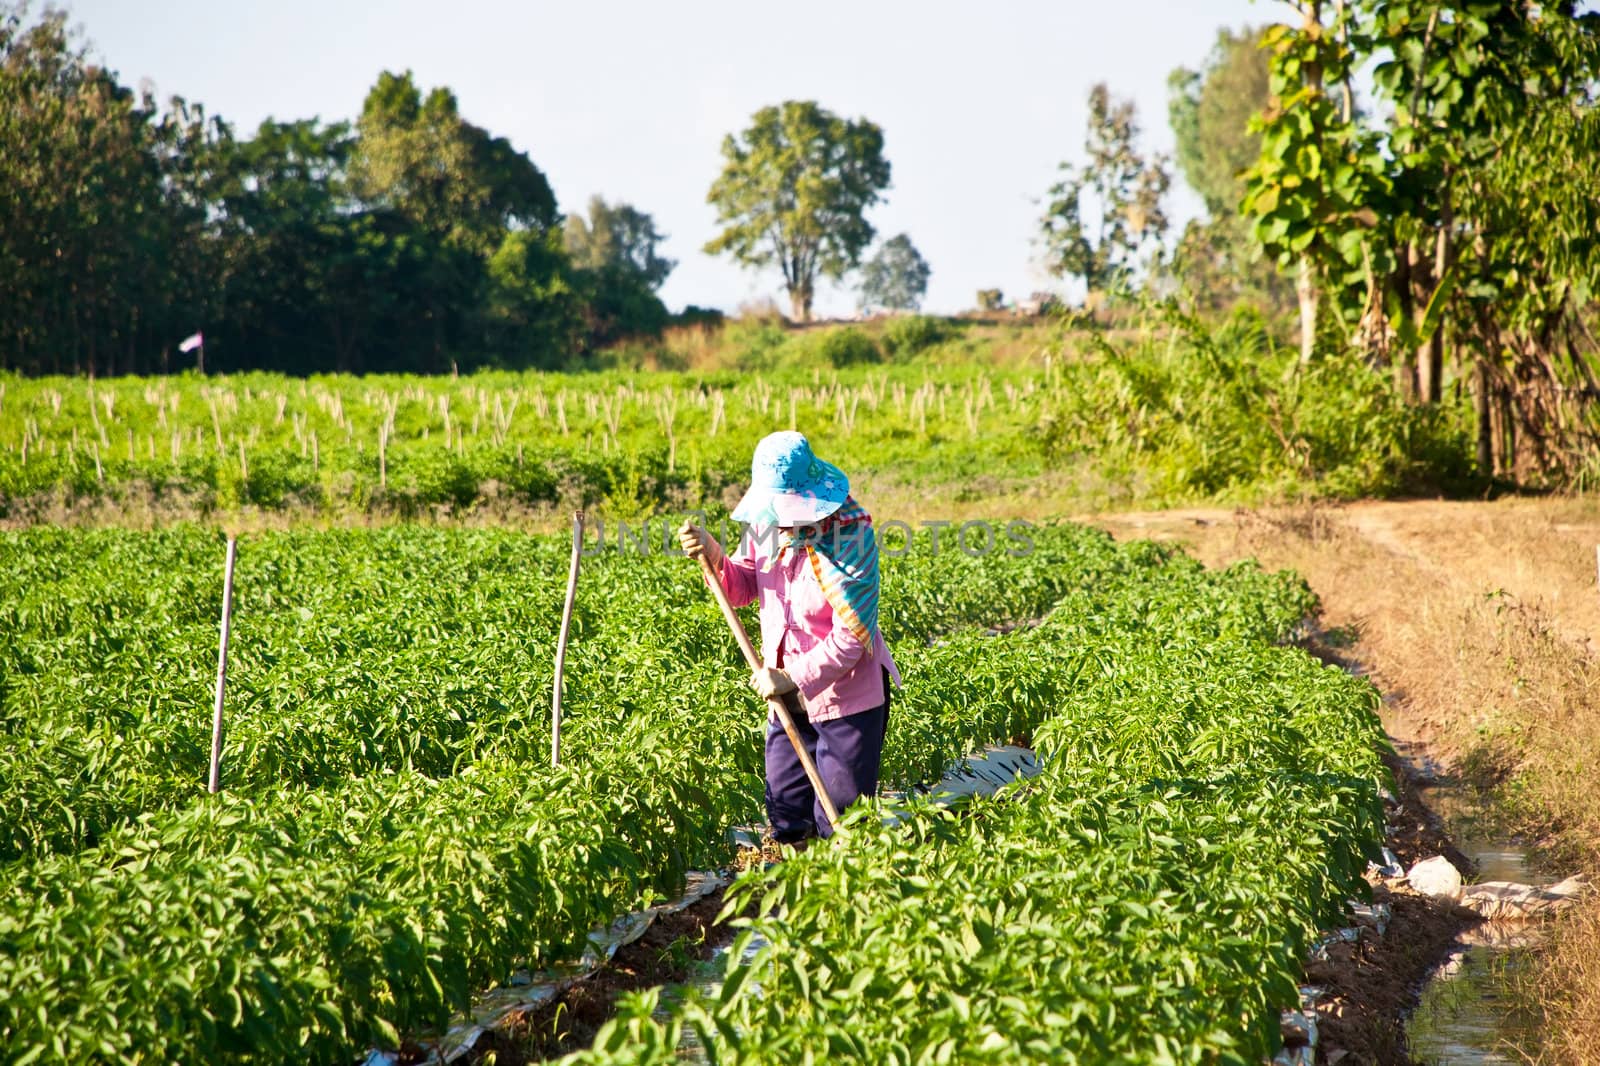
(215, 784)
(561, 641)
(785, 705)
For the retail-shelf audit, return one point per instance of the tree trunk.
(1405, 370)
(1305, 281)
(1508, 430)
(1430, 352)
(1434, 376)
(1485, 423)
(800, 300)
(1305, 288)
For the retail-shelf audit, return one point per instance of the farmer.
(810, 557)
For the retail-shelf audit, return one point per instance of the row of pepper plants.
(1208, 803)
(363, 652)
(392, 839)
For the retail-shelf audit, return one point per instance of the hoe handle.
(781, 705)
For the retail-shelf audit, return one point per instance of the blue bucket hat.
(789, 485)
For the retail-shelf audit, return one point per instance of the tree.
(416, 155)
(617, 271)
(461, 190)
(1102, 215)
(896, 277)
(617, 236)
(1459, 211)
(1217, 261)
(533, 314)
(103, 204)
(311, 279)
(417, 243)
(794, 190)
(1210, 112)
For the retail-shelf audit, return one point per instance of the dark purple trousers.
(848, 752)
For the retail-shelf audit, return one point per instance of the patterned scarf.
(844, 555)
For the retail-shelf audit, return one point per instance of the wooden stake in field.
(222, 667)
(561, 640)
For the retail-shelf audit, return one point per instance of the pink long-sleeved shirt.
(836, 674)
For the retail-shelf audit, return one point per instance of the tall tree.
(896, 277)
(617, 236)
(794, 191)
(1104, 214)
(1210, 111)
(1217, 261)
(311, 279)
(87, 216)
(534, 313)
(417, 156)
(617, 270)
(462, 189)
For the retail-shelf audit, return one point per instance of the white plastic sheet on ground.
(986, 773)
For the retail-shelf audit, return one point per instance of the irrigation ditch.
(1465, 904)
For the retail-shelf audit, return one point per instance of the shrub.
(845, 347)
(905, 337)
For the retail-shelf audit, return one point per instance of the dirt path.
(1540, 551)
(1452, 606)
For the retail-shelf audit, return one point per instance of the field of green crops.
(1176, 414)
(391, 838)
(412, 443)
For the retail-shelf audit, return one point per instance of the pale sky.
(631, 99)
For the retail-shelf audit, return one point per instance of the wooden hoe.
(785, 706)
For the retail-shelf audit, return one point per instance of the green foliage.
(617, 237)
(1102, 214)
(1210, 111)
(1224, 415)
(391, 838)
(614, 252)
(416, 242)
(794, 191)
(991, 299)
(1218, 267)
(96, 185)
(896, 277)
(836, 348)
(1207, 804)
(535, 307)
(417, 156)
(1445, 215)
(909, 335)
(1216, 261)
(1320, 180)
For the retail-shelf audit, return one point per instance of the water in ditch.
(1473, 1010)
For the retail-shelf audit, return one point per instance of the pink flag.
(190, 343)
